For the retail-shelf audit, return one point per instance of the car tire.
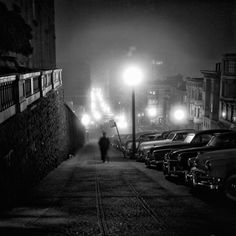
(230, 187)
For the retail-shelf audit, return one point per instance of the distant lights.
(85, 119)
(121, 121)
(154, 62)
(223, 114)
(97, 115)
(152, 111)
(178, 114)
(99, 107)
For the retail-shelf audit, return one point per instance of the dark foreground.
(86, 197)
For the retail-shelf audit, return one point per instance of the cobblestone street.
(84, 196)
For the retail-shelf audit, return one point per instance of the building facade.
(219, 94)
(227, 112)
(211, 94)
(39, 15)
(194, 87)
(158, 96)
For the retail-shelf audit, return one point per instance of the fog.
(187, 36)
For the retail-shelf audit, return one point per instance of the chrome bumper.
(172, 168)
(201, 178)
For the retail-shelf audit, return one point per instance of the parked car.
(216, 170)
(197, 139)
(140, 137)
(119, 143)
(128, 151)
(176, 162)
(177, 136)
(148, 136)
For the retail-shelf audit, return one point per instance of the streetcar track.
(145, 205)
(100, 212)
(114, 196)
(139, 198)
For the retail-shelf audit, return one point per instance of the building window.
(234, 114)
(200, 95)
(230, 67)
(223, 110)
(229, 112)
(229, 88)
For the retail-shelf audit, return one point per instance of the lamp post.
(132, 77)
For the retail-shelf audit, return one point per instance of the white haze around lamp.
(152, 112)
(178, 115)
(132, 75)
(85, 119)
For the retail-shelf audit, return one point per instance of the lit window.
(230, 67)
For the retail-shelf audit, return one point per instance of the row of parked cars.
(204, 158)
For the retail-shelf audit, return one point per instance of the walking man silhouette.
(104, 144)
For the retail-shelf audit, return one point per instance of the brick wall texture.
(36, 141)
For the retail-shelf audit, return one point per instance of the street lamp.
(178, 115)
(132, 77)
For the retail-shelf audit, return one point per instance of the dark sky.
(187, 36)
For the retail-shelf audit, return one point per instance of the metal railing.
(21, 90)
(7, 91)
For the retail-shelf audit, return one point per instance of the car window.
(189, 138)
(180, 136)
(224, 141)
(171, 136)
(165, 135)
(202, 139)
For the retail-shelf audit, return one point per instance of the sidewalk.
(64, 198)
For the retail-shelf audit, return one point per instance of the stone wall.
(36, 141)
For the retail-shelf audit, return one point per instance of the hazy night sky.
(186, 35)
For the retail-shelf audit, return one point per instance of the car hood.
(198, 149)
(156, 143)
(218, 154)
(176, 145)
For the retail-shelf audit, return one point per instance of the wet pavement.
(84, 196)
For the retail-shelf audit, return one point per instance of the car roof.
(184, 130)
(210, 131)
(230, 133)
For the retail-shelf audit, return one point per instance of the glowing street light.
(85, 119)
(152, 111)
(121, 121)
(97, 115)
(178, 115)
(132, 77)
